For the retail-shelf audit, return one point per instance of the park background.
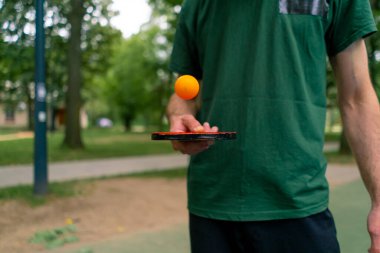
(106, 91)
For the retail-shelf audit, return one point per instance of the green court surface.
(171, 240)
(349, 205)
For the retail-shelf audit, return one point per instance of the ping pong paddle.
(193, 136)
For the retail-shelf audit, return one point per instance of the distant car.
(105, 123)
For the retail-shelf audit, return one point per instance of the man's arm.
(360, 111)
(181, 114)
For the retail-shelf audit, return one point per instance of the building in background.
(13, 117)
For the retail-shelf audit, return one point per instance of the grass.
(56, 237)
(332, 137)
(11, 130)
(167, 174)
(56, 190)
(336, 157)
(99, 143)
(76, 187)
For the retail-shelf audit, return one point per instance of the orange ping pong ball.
(186, 87)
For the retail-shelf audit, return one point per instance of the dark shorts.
(313, 234)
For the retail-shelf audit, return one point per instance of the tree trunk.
(127, 120)
(344, 147)
(53, 114)
(29, 108)
(73, 95)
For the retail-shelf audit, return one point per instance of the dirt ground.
(107, 208)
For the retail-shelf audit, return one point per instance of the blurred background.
(107, 86)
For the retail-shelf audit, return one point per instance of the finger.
(176, 125)
(190, 148)
(375, 243)
(374, 246)
(176, 145)
(192, 124)
(371, 250)
(196, 150)
(176, 130)
(206, 127)
(214, 129)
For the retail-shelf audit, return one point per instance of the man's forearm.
(360, 113)
(361, 121)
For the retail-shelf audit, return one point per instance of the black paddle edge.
(194, 136)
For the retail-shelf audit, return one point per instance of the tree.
(17, 53)
(73, 97)
(16, 20)
(132, 73)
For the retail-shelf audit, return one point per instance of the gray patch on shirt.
(306, 7)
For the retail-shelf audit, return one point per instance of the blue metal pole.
(40, 145)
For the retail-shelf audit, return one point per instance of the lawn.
(336, 157)
(10, 130)
(99, 143)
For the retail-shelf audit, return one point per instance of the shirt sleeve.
(350, 21)
(185, 57)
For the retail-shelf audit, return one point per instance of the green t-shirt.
(263, 68)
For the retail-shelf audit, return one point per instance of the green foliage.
(138, 82)
(172, 3)
(17, 54)
(55, 238)
(85, 250)
(332, 137)
(166, 10)
(373, 45)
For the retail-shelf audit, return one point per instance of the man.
(262, 64)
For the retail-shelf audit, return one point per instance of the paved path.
(23, 174)
(338, 174)
(16, 175)
(16, 136)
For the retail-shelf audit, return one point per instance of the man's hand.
(374, 229)
(188, 123)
